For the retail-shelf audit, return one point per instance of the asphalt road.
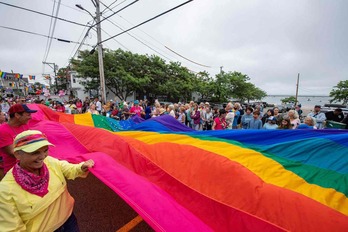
(99, 209)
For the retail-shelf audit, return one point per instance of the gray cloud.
(271, 41)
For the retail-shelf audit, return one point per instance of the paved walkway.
(98, 208)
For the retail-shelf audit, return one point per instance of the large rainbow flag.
(237, 180)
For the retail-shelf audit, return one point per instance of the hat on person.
(317, 106)
(30, 141)
(272, 119)
(162, 111)
(20, 108)
(207, 103)
(136, 102)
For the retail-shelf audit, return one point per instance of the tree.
(62, 78)
(204, 85)
(236, 85)
(220, 87)
(88, 70)
(127, 73)
(178, 83)
(288, 99)
(36, 86)
(340, 92)
(251, 92)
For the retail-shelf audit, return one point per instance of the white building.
(9, 84)
(78, 90)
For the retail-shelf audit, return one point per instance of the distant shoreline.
(287, 95)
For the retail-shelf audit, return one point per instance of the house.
(13, 84)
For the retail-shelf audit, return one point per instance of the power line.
(133, 36)
(108, 7)
(188, 59)
(116, 40)
(157, 41)
(118, 4)
(34, 33)
(118, 12)
(141, 30)
(68, 6)
(166, 46)
(37, 12)
(136, 39)
(80, 45)
(51, 32)
(144, 21)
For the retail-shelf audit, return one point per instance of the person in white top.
(294, 119)
(320, 117)
(171, 110)
(98, 105)
(230, 115)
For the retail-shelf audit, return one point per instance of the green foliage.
(340, 92)
(251, 92)
(87, 67)
(127, 73)
(204, 84)
(288, 99)
(62, 80)
(236, 85)
(36, 86)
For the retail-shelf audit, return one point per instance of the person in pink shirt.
(136, 109)
(79, 106)
(60, 107)
(220, 122)
(20, 114)
(2, 117)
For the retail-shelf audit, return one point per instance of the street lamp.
(100, 48)
(81, 8)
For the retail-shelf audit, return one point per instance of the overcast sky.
(270, 41)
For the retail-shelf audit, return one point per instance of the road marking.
(130, 225)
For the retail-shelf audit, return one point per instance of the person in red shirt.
(60, 107)
(20, 114)
(220, 122)
(114, 113)
(79, 106)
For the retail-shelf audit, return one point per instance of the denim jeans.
(70, 225)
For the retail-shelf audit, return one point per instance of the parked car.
(327, 109)
(165, 103)
(331, 105)
(289, 106)
(282, 109)
(254, 104)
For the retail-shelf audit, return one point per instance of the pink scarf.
(30, 182)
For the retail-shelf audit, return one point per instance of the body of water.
(305, 101)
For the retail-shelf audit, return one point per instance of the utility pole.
(55, 74)
(16, 82)
(298, 81)
(100, 48)
(100, 54)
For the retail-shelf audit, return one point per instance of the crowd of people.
(198, 116)
(29, 177)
